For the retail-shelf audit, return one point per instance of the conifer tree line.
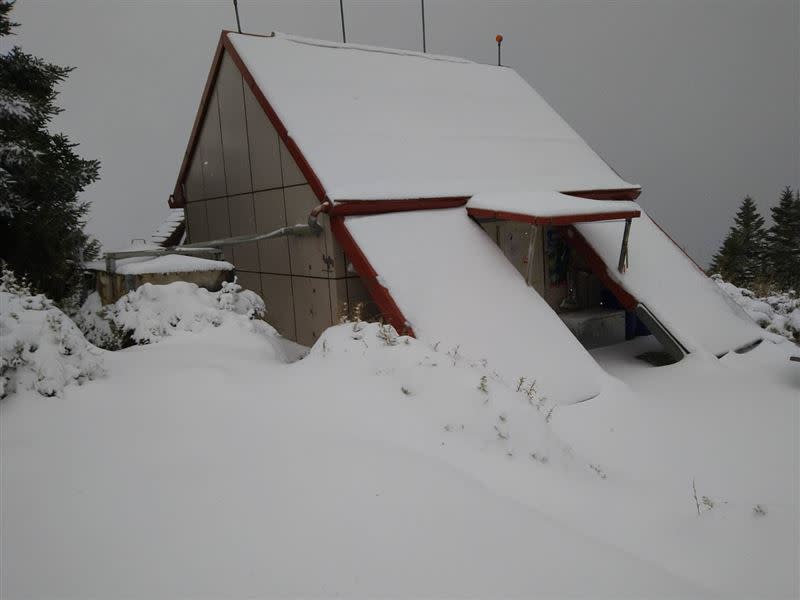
(41, 216)
(767, 258)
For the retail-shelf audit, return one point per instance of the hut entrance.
(555, 260)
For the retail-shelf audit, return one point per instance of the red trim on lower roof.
(620, 194)
(369, 276)
(483, 213)
(370, 207)
(578, 243)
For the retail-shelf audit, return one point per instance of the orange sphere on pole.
(498, 38)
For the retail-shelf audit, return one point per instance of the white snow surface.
(382, 124)
(174, 219)
(204, 466)
(548, 204)
(677, 292)
(41, 349)
(455, 287)
(170, 263)
(778, 313)
(153, 312)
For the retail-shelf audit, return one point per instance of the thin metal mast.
(341, 11)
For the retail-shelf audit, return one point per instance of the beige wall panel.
(291, 172)
(333, 247)
(514, 238)
(210, 148)
(234, 128)
(197, 221)
(308, 255)
(218, 220)
(312, 307)
(243, 222)
(194, 178)
(265, 158)
(490, 227)
(277, 293)
(270, 214)
(249, 281)
(339, 306)
(219, 223)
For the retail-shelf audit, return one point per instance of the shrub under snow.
(152, 312)
(778, 313)
(40, 347)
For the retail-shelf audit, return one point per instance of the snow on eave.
(548, 204)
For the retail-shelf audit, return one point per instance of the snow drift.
(40, 347)
(777, 313)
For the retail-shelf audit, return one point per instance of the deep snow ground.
(205, 465)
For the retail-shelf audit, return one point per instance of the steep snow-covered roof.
(377, 124)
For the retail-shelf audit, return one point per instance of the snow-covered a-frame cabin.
(455, 204)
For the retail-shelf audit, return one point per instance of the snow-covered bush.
(91, 319)
(40, 347)
(152, 312)
(778, 312)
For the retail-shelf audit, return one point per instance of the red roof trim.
(369, 276)
(225, 44)
(283, 133)
(620, 194)
(483, 213)
(177, 200)
(578, 243)
(371, 207)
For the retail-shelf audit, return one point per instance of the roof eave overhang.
(483, 213)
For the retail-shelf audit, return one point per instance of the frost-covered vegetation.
(153, 312)
(40, 347)
(777, 312)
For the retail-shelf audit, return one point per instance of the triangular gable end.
(226, 48)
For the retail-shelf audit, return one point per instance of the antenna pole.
(499, 39)
(424, 49)
(341, 11)
(236, 9)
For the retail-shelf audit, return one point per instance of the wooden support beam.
(623, 252)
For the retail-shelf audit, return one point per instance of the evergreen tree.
(740, 259)
(783, 242)
(41, 217)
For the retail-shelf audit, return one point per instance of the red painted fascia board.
(371, 207)
(578, 243)
(225, 44)
(620, 194)
(305, 168)
(177, 200)
(369, 276)
(483, 213)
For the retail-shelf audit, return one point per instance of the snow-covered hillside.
(212, 462)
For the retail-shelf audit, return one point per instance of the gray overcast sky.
(698, 101)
